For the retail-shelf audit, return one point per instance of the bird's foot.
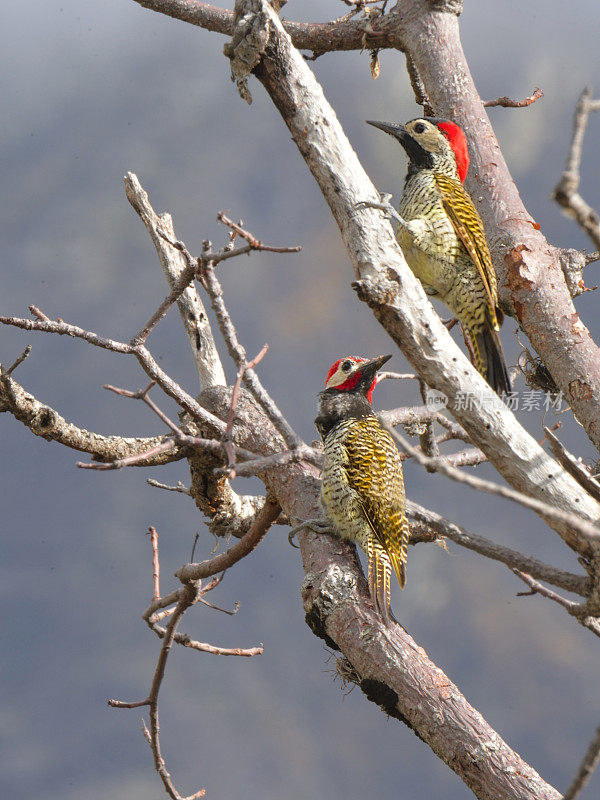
(450, 323)
(385, 206)
(321, 525)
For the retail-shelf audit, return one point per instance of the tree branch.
(506, 102)
(566, 192)
(193, 315)
(396, 297)
(393, 670)
(529, 269)
(140, 351)
(423, 520)
(264, 519)
(584, 773)
(44, 421)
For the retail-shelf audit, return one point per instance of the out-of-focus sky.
(89, 91)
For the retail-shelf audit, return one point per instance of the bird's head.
(355, 374)
(430, 142)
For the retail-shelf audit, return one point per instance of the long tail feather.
(489, 358)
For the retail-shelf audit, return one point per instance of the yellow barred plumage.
(469, 229)
(363, 494)
(443, 238)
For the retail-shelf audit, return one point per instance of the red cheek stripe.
(350, 383)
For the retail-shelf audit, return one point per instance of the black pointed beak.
(416, 153)
(374, 364)
(393, 128)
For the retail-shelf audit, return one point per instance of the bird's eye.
(419, 127)
(347, 366)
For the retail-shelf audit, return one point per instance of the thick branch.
(320, 37)
(396, 297)
(50, 425)
(394, 671)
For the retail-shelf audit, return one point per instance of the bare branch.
(506, 102)
(146, 458)
(44, 421)
(470, 457)
(397, 376)
(538, 588)
(143, 355)
(238, 354)
(578, 610)
(230, 416)
(187, 597)
(179, 287)
(253, 242)
(18, 361)
(573, 466)
(191, 309)
(423, 520)
(179, 488)
(203, 647)
(320, 37)
(394, 672)
(566, 192)
(575, 522)
(584, 773)
(257, 465)
(152, 532)
(264, 519)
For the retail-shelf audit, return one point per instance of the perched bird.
(362, 488)
(442, 237)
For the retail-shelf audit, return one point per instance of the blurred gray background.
(91, 90)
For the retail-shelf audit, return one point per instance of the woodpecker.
(443, 239)
(362, 489)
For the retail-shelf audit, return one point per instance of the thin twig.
(396, 376)
(19, 360)
(187, 597)
(566, 192)
(573, 466)
(155, 563)
(253, 242)
(579, 524)
(256, 465)
(577, 610)
(231, 460)
(428, 520)
(179, 488)
(506, 102)
(181, 284)
(539, 588)
(587, 767)
(237, 352)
